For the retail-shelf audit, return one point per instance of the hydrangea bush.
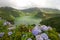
(28, 32)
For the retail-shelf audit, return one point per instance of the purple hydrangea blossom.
(9, 33)
(36, 30)
(44, 36)
(29, 39)
(6, 23)
(2, 34)
(47, 39)
(38, 37)
(44, 28)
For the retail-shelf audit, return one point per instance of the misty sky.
(22, 4)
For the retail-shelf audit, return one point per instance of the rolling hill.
(6, 12)
(9, 14)
(42, 12)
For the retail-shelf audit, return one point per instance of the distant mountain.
(50, 10)
(29, 10)
(38, 12)
(41, 12)
(46, 10)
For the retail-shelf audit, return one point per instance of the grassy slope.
(53, 22)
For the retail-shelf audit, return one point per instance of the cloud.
(4, 3)
(22, 4)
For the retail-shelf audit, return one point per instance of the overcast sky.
(22, 4)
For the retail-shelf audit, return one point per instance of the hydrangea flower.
(29, 39)
(6, 23)
(9, 33)
(2, 34)
(47, 39)
(38, 37)
(44, 36)
(44, 28)
(36, 30)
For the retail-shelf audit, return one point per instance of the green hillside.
(9, 13)
(42, 12)
(53, 22)
(50, 10)
(24, 24)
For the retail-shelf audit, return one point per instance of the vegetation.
(9, 13)
(25, 32)
(53, 22)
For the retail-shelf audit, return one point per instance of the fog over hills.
(23, 4)
(47, 10)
